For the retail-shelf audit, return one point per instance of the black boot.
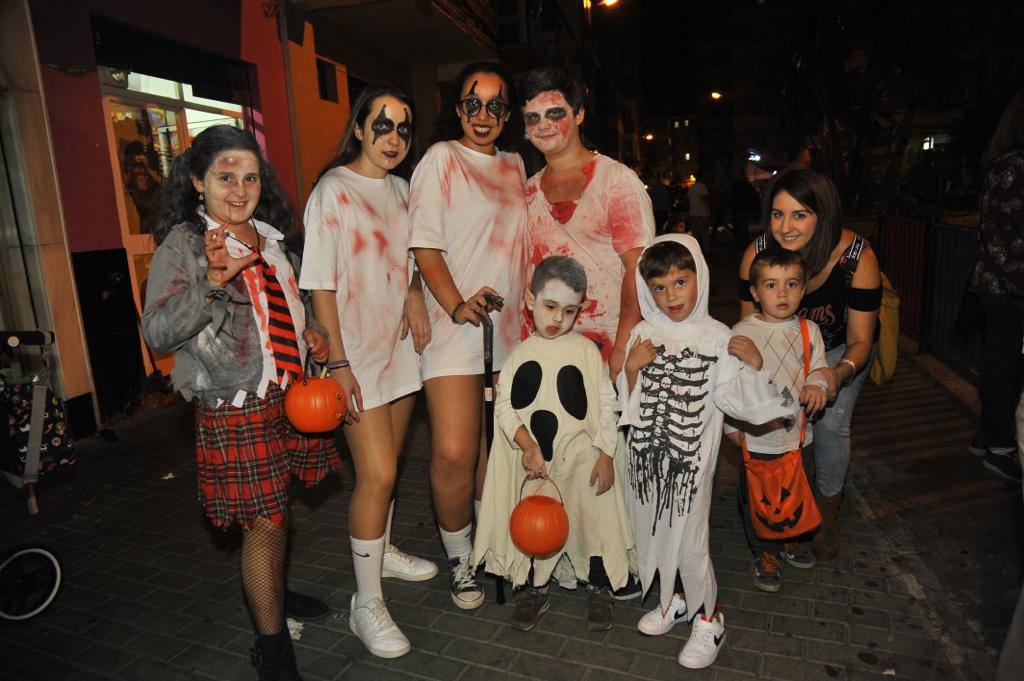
(274, 657)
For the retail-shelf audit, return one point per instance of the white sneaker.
(401, 565)
(656, 623)
(466, 593)
(706, 640)
(373, 625)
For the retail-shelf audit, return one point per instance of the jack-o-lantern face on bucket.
(781, 513)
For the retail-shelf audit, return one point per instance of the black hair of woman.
(351, 146)
(178, 201)
(819, 194)
(449, 127)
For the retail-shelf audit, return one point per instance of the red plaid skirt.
(246, 457)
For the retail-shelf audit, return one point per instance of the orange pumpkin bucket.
(315, 404)
(539, 524)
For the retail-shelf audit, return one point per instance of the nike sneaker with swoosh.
(656, 622)
(706, 640)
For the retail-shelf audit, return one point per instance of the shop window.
(327, 80)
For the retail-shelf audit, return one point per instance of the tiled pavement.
(151, 593)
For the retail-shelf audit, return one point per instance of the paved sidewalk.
(152, 593)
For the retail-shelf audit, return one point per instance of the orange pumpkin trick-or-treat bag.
(781, 501)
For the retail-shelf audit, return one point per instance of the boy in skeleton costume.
(682, 375)
(555, 412)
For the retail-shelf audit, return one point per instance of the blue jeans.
(832, 431)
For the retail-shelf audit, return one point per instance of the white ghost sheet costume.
(676, 411)
(560, 391)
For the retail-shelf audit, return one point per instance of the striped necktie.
(282, 331)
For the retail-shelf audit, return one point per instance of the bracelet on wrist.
(213, 283)
(852, 364)
(455, 310)
(338, 364)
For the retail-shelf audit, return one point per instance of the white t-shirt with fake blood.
(470, 206)
(357, 239)
(611, 217)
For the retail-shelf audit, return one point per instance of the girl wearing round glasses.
(467, 217)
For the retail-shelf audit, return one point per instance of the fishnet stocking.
(263, 552)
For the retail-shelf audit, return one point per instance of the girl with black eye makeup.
(468, 233)
(356, 263)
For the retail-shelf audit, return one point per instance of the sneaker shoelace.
(704, 635)
(393, 553)
(769, 563)
(462, 578)
(379, 615)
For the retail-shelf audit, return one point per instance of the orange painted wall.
(320, 124)
(262, 47)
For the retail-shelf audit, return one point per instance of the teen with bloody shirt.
(468, 224)
(356, 263)
(587, 206)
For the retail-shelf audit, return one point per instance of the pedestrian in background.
(998, 280)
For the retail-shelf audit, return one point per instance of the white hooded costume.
(559, 390)
(675, 411)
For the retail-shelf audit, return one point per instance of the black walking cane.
(488, 326)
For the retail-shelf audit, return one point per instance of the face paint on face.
(554, 308)
(381, 125)
(779, 290)
(550, 124)
(675, 293)
(405, 128)
(483, 109)
(388, 142)
(231, 187)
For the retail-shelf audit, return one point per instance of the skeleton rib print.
(664, 462)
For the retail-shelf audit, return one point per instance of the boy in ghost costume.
(683, 373)
(555, 412)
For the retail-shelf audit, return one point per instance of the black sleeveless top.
(827, 305)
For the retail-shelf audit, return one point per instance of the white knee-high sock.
(387, 528)
(458, 544)
(476, 509)
(367, 558)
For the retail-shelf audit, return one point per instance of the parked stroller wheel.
(30, 577)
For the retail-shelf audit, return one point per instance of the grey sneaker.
(599, 609)
(630, 590)
(532, 603)
(798, 555)
(977, 445)
(767, 573)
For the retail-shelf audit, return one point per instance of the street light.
(608, 3)
(649, 137)
(716, 95)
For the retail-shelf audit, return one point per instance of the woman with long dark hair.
(222, 296)
(468, 231)
(844, 293)
(357, 265)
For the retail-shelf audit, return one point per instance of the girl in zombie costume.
(556, 415)
(587, 206)
(356, 262)
(222, 296)
(468, 222)
(682, 375)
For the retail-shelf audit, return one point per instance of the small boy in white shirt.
(778, 280)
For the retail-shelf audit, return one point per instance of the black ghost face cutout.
(571, 392)
(526, 384)
(544, 426)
